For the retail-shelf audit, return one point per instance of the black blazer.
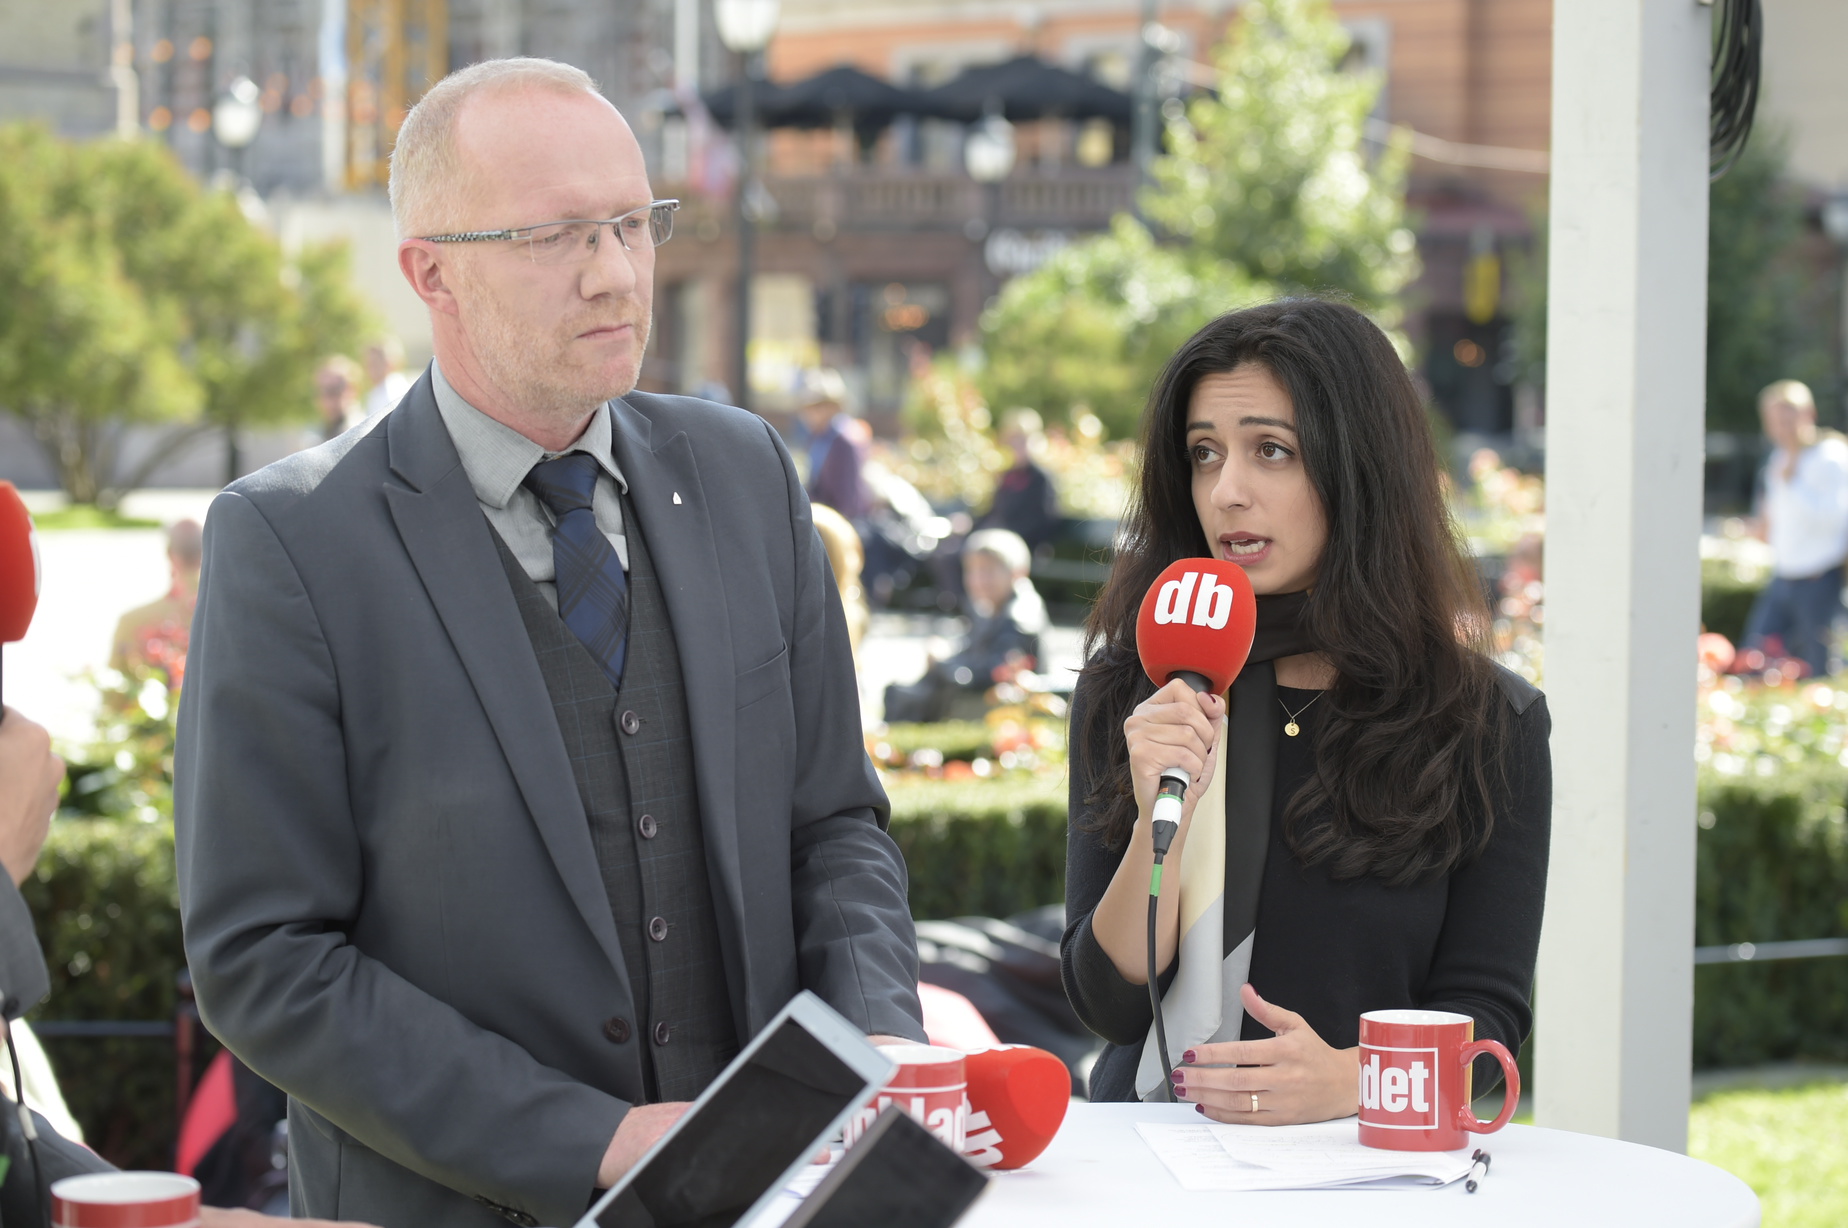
(391, 902)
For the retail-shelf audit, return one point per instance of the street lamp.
(745, 27)
(236, 117)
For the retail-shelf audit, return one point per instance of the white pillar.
(1626, 336)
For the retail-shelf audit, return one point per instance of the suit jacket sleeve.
(23, 977)
(271, 874)
(856, 946)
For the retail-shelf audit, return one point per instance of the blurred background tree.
(1266, 189)
(137, 297)
(1768, 302)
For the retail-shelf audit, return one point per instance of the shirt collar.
(497, 458)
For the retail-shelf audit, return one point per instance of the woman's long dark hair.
(1409, 747)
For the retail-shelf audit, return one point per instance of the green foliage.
(1726, 598)
(951, 739)
(134, 296)
(1790, 1145)
(1270, 175)
(1768, 306)
(1089, 330)
(1266, 190)
(105, 900)
(1772, 865)
(88, 516)
(981, 848)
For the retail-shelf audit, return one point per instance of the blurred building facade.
(869, 251)
(866, 251)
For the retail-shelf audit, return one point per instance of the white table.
(1099, 1172)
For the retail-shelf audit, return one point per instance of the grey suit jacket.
(392, 906)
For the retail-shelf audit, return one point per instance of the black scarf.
(1250, 759)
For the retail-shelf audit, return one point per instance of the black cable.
(25, 1123)
(1738, 46)
(1161, 1030)
(1166, 822)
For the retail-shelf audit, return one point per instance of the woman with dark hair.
(1368, 823)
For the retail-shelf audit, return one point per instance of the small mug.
(1415, 1080)
(931, 1085)
(125, 1200)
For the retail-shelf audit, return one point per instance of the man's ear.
(426, 271)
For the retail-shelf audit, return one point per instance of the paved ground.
(92, 576)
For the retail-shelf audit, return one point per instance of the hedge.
(1772, 865)
(106, 904)
(1725, 600)
(981, 848)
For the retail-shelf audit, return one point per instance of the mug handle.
(1511, 1087)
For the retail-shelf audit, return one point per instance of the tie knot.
(564, 483)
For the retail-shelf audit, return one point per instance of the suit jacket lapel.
(670, 504)
(448, 540)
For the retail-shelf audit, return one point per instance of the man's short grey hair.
(425, 165)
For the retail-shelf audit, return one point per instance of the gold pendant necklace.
(1290, 726)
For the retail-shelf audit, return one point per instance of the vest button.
(648, 826)
(662, 1033)
(616, 1028)
(657, 929)
(631, 723)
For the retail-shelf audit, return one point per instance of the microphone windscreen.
(1017, 1100)
(1199, 616)
(19, 566)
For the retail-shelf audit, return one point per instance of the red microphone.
(1197, 624)
(19, 567)
(1017, 1100)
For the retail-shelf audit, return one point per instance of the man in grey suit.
(520, 777)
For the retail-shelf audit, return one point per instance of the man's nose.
(613, 268)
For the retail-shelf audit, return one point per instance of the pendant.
(1292, 729)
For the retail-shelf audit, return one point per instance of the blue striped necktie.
(593, 593)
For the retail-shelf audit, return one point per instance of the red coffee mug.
(125, 1200)
(1415, 1080)
(930, 1084)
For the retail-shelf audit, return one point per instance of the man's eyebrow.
(1247, 420)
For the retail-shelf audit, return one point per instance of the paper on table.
(1211, 1156)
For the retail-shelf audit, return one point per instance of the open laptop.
(764, 1117)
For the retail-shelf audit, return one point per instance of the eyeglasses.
(576, 240)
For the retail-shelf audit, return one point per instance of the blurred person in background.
(30, 775)
(336, 394)
(846, 557)
(1025, 499)
(154, 635)
(837, 445)
(1006, 620)
(1803, 511)
(385, 374)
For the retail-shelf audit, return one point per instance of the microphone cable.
(1166, 822)
(26, 1128)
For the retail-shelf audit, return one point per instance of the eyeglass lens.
(567, 242)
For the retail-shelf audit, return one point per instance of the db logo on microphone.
(1398, 1088)
(1210, 609)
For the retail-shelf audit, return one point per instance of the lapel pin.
(676, 498)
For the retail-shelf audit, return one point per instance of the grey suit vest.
(632, 754)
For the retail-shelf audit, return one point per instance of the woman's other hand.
(1295, 1075)
(1176, 727)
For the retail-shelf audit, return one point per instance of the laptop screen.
(761, 1117)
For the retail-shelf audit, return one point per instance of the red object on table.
(1017, 1101)
(1415, 1080)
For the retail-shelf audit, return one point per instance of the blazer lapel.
(447, 538)
(670, 504)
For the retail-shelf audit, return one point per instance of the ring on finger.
(1254, 1102)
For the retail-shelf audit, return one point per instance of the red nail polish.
(1188, 1057)
(1175, 1076)
(1180, 1093)
(1199, 1108)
